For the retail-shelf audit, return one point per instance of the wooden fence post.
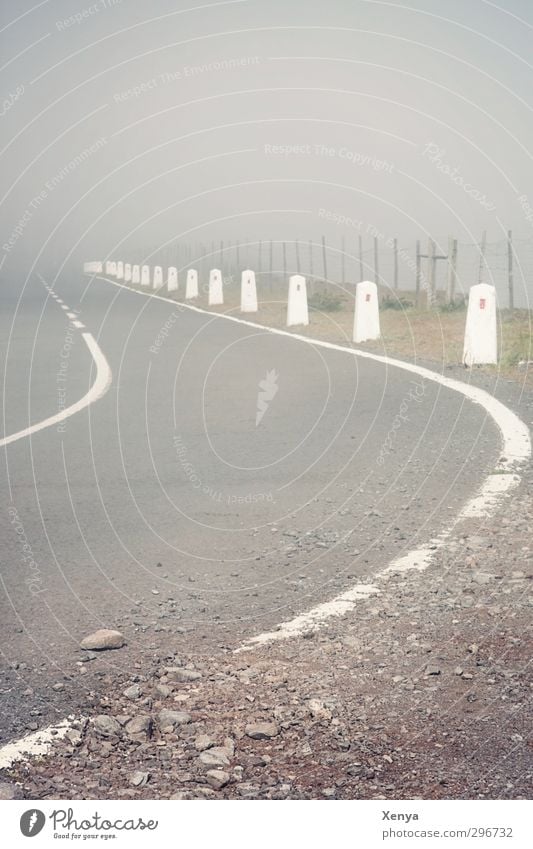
(452, 269)
(431, 274)
(418, 275)
(510, 268)
(482, 249)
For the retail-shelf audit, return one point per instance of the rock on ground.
(102, 640)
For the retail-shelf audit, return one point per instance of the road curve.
(229, 479)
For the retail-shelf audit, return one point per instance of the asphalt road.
(166, 510)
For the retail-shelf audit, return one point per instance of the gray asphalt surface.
(164, 510)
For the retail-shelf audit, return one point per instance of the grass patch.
(458, 305)
(325, 302)
(516, 338)
(395, 304)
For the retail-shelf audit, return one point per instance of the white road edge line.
(36, 743)
(516, 450)
(100, 386)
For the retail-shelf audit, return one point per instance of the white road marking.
(317, 617)
(313, 619)
(516, 451)
(37, 743)
(71, 315)
(100, 386)
(78, 324)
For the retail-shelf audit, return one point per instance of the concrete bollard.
(248, 292)
(113, 271)
(481, 334)
(145, 275)
(108, 264)
(191, 286)
(216, 293)
(158, 277)
(297, 311)
(127, 273)
(120, 271)
(93, 267)
(172, 279)
(366, 318)
(136, 274)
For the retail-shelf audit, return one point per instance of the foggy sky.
(140, 124)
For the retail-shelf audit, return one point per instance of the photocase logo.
(32, 822)
(268, 389)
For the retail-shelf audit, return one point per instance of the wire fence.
(417, 272)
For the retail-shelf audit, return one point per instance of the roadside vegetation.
(434, 336)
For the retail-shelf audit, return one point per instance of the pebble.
(217, 778)
(106, 726)
(9, 792)
(172, 718)
(262, 730)
(203, 742)
(139, 728)
(133, 692)
(139, 779)
(215, 757)
(102, 640)
(74, 736)
(182, 676)
(317, 710)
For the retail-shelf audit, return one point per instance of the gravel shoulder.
(421, 692)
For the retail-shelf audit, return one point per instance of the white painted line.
(59, 301)
(64, 307)
(314, 618)
(78, 324)
(516, 449)
(37, 743)
(100, 386)
(71, 315)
